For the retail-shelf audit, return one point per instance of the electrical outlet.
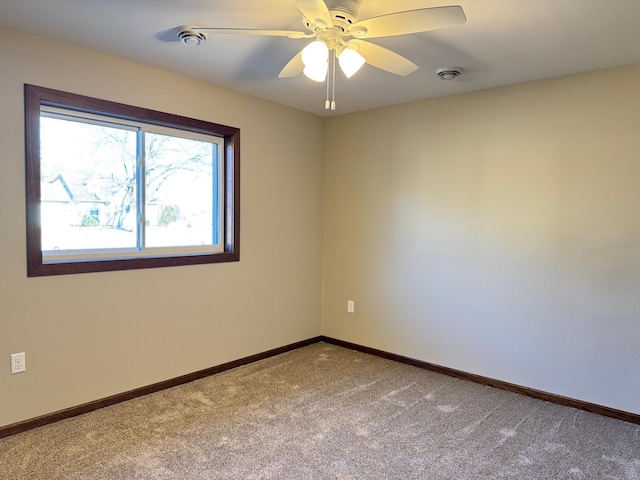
(351, 306)
(18, 363)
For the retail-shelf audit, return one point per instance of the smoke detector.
(190, 37)
(448, 73)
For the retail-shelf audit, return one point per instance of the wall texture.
(93, 335)
(495, 232)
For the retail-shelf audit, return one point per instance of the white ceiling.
(503, 42)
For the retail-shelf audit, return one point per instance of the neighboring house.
(63, 206)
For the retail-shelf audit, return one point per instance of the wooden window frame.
(35, 97)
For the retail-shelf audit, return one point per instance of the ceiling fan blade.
(293, 68)
(385, 59)
(314, 10)
(255, 31)
(411, 21)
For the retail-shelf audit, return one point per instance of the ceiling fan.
(338, 33)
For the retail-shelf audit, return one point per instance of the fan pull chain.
(333, 81)
(330, 104)
(327, 104)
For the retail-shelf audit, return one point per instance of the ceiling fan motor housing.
(351, 6)
(343, 13)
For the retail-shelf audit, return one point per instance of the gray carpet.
(325, 412)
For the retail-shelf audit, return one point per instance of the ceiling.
(503, 42)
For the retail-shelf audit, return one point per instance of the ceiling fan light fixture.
(315, 53)
(315, 57)
(350, 62)
(317, 73)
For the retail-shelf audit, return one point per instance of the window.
(115, 187)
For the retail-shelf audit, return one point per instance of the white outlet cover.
(18, 363)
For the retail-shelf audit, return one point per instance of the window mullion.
(217, 195)
(140, 189)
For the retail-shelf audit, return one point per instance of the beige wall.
(93, 335)
(495, 232)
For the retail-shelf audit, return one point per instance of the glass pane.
(180, 191)
(87, 187)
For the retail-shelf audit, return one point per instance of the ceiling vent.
(189, 37)
(448, 73)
